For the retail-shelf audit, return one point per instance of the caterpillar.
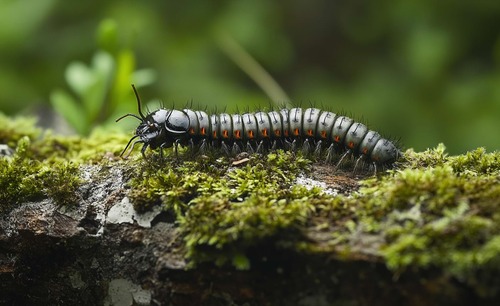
(322, 133)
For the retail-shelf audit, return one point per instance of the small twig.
(253, 69)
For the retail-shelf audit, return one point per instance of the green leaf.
(125, 65)
(67, 107)
(79, 77)
(143, 77)
(94, 97)
(107, 35)
(103, 63)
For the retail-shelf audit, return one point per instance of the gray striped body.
(341, 133)
(318, 131)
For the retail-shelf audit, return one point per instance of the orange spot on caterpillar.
(365, 150)
(225, 134)
(296, 132)
(215, 134)
(286, 133)
(336, 138)
(237, 134)
(310, 133)
(264, 133)
(323, 134)
(191, 131)
(277, 132)
(250, 134)
(350, 144)
(203, 131)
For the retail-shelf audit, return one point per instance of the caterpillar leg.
(161, 151)
(225, 148)
(273, 145)
(250, 149)
(293, 147)
(330, 152)
(317, 149)
(144, 147)
(235, 149)
(341, 160)
(259, 147)
(203, 146)
(176, 148)
(191, 145)
(359, 159)
(306, 147)
(374, 168)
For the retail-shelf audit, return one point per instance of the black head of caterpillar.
(159, 129)
(319, 132)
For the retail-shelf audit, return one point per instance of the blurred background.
(419, 70)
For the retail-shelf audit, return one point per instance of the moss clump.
(176, 182)
(444, 216)
(220, 230)
(223, 207)
(99, 147)
(435, 211)
(45, 165)
(12, 130)
(433, 217)
(24, 179)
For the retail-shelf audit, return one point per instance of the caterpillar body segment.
(325, 125)
(226, 126)
(355, 135)
(204, 124)
(310, 122)
(238, 131)
(295, 119)
(340, 128)
(276, 124)
(368, 143)
(263, 125)
(286, 122)
(249, 126)
(194, 123)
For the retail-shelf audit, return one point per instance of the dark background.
(419, 70)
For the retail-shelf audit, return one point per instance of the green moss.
(223, 207)
(433, 211)
(17, 178)
(444, 215)
(99, 147)
(220, 230)
(13, 129)
(176, 182)
(47, 166)
(429, 158)
(25, 179)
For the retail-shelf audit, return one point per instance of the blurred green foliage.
(102, 87)
(424, 71)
